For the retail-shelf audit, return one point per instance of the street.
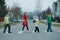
(43, 35)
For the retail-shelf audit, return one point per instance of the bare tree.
(16, 11)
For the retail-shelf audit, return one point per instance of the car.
(20, 20)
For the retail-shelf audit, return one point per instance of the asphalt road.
(43, 35)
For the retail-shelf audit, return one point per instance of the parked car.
(20, 20)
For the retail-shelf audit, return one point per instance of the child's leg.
(5, 28)
(48, 28)
(35, 29)
(27, 28)
(23, 28)
(9, 28)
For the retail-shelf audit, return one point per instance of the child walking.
(36, 25)
(25, 22)
(49, 21)
(7, 24)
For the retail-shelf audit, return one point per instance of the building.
(54, 9)
(58, 8)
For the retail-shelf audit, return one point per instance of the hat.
(37, 19)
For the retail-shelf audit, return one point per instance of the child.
(7, 24)
(49, 21)
(36, 25)
(25, 22)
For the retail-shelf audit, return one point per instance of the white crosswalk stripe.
(20, 31)
(32, 32)
(6, 32)
(26, 32)
(58, 31)
(45, 31)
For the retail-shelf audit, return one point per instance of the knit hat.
(37, 19)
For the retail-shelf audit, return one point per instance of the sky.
(47, 3)
(30, 5)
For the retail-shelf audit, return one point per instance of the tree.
(17, 12)
(30, 16)
(3, 10)
(55, 6)
(48, 10)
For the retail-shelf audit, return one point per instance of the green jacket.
(49, 19)
(6, 20)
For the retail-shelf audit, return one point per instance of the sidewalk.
(53, 23)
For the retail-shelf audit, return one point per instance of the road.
(43, 35)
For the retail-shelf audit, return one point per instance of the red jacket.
(25, 17)
(25, 23)
(25, 20)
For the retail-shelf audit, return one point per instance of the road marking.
(26, 32)
(20, 31)
(51, 32)
(32, 31)
(58, 31)
(6, 32)
(45, 31)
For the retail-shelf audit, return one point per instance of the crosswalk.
(58, 31)
(26, 32)
(20, 32)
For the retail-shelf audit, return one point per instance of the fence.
(1, 19)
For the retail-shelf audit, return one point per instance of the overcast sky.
(30, 5)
